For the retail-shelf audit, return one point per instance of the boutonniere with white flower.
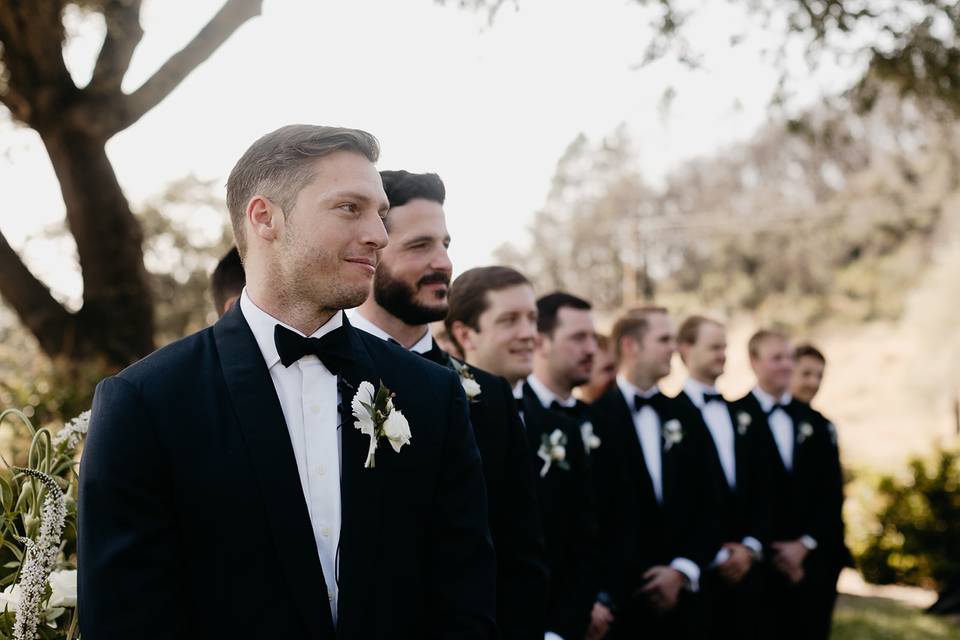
(470, 385)
(377, 417)
(590, 440)
(553, 449)
(806, 430)
(743, 421)
(672, 434)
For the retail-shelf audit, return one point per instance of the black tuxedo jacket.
(744, 510)
(569, 524)
(638, 532)
(193, 522)
(804, 499)
(514, 512)
(836, 547)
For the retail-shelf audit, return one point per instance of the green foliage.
(916, 539)
(880, 619)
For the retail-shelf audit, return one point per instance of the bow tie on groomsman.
(639, 402)
(333, 348)
(773, 407)
(711, 397)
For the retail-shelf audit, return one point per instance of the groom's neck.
(302, 316)
(406, 334)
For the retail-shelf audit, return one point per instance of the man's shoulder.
(187, 354)
(401, 363)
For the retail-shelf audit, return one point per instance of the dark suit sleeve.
(826, 524)
(463, 568)
(523, 598)
(126, 557)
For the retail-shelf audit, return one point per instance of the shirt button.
(325, 532)
(329, 597)
(315, 408)
(321, 470)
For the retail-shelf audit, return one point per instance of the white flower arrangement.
(470, 385)
(73, 431)
(806, 430)
(672, 434)
(553, 449)
(590, 440)
(377, 417)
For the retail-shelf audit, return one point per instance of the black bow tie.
(333, 348)
(776, 405)
(560, 408)
(712, 397)
(639, 402)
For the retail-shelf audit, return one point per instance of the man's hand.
(738, 564)
(663, 587)
(600, 619)
(788, 558)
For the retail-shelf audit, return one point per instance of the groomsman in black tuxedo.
(493, 318)
(409, 291)
(807, 378)
(562, 360)
(741, 512)
(240, 460)
(799, 457)
(652, 489)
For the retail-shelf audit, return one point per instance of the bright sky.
(490, 109)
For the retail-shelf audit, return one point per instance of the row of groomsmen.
(634, 515)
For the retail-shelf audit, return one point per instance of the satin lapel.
(766, 434)
(361, 508)
(275, 467)
(632, 443)
(740, 448)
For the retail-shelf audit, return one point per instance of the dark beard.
(397, 297)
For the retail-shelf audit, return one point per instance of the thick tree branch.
(123, 35)
(30, 298)
(230, 17)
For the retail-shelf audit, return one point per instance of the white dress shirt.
(547, 397)
(423, 345)
(647, 424)
(308, 398)
(781, 424)
(717, 417)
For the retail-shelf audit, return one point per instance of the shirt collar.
(262, 324)
(547, 397)
(518, 390)
(358, 320)
(767, 401)
(630, 390)
(695, 389)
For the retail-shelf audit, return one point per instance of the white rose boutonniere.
(378, 418)
(553, 448)
(743, 421)
(806, 430)
(470, 385)
(590, 440)
(672, 434)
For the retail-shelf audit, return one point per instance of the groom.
(224, 487)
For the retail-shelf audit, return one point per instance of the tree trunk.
(116, 320)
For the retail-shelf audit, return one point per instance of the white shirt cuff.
(722, 556)
(809, 542)
(690, 570)
(550, 635)
(754, 545)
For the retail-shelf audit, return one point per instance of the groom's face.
(329, 243)
(413, 276)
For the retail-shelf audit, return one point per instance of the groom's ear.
(264, 218)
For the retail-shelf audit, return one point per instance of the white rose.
(744, 419)
(556, 437)
(63, 584)
(558, 452)
(397, 430)
(470, 387)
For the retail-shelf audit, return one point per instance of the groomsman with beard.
(803, 478)
(741, 512)
(652, 489)
(409, 291)
(493, 318)
(563, 358)
(807, 378)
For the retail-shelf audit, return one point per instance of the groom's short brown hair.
(279, 165)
